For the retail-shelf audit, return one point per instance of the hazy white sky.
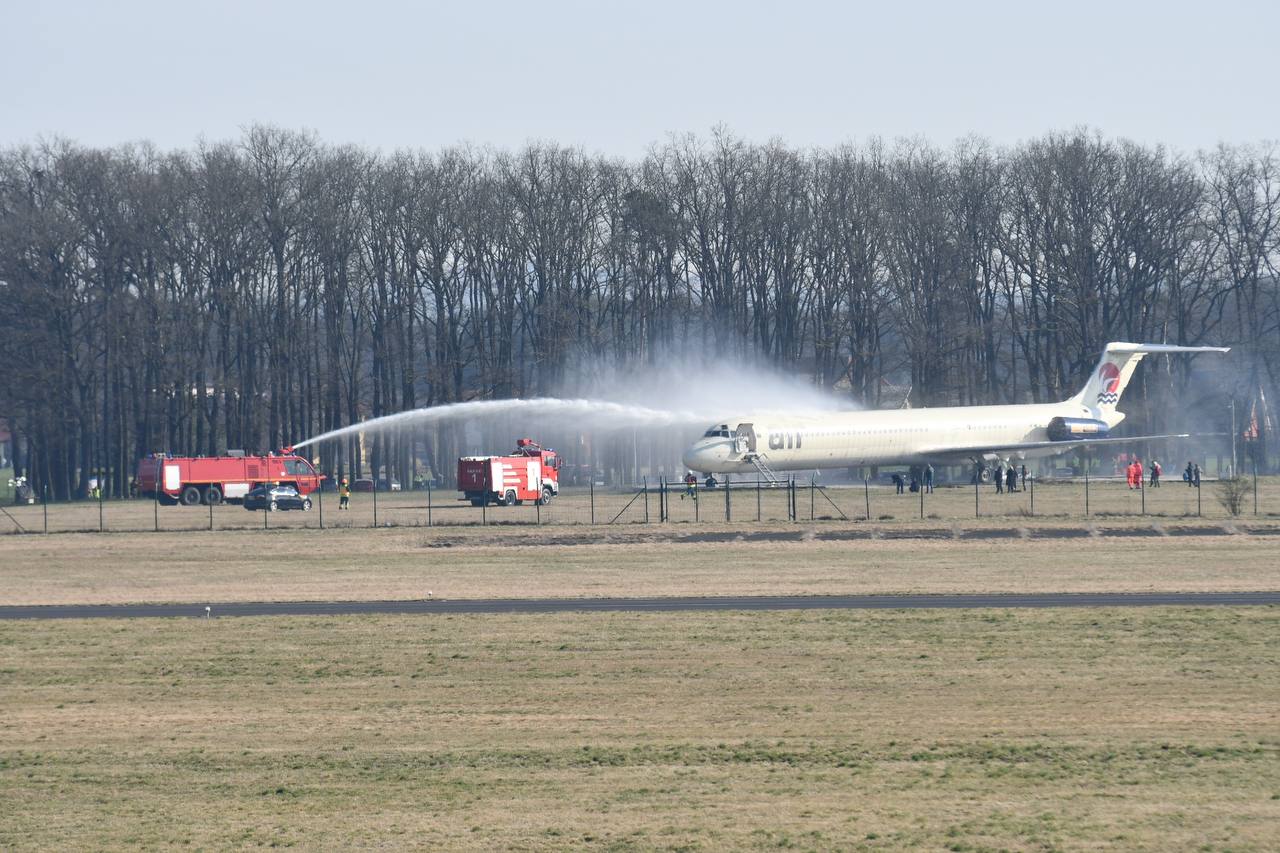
(616, 77)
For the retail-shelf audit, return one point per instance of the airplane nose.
(696, 458)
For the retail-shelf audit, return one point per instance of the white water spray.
(602, 414)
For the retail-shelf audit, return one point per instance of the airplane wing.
(979, 450)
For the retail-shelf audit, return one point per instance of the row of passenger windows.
(888, 431)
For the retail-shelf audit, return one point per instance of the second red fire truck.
(531, 473)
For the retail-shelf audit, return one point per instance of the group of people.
(1006, 480)
(1133, 473)
(921, 479)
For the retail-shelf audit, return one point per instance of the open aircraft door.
(744, 439)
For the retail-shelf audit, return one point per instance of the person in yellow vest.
(344, 495)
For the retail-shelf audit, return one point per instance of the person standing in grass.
(1155, 474)
(344, 494)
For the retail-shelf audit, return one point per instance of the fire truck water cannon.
(530, 473)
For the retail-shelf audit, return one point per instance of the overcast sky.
(616, 77)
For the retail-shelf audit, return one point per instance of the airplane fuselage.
(880, 437)
(792, 441)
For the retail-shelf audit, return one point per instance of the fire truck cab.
(531, 473)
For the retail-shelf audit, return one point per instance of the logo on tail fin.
(1109, 374)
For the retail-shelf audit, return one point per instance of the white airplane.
(982, 435)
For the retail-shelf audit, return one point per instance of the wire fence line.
(663, 502)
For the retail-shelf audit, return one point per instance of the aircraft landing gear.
(711, 482)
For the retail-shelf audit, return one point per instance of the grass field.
(513, 562)
(1109, 500)
(1142, 729)
(1059, 729)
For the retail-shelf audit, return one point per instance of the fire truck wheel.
(190, 496)
(213, 496)
(546, 497)
(306, 505)
(273, 506)
(510, 497)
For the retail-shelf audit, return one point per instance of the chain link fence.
(675, 503)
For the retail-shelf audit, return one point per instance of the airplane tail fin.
(1108, 380)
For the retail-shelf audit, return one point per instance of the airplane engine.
(1069, 429)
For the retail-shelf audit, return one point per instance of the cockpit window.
(721, 431)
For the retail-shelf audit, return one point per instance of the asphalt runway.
(438, 607)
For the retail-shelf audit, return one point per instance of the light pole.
(1233, 435)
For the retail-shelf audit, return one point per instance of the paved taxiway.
(566, 605)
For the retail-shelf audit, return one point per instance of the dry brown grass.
(1136, 729)
(519, 563)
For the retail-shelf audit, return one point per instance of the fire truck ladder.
(766, 472)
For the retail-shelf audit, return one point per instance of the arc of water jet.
(597, 411)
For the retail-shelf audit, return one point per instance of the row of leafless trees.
(248, 294)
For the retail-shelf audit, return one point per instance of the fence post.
(1255, 484)
(1199, 511)
(866, 493)
(375, 503)
(757, 498)
(811, 488)
(429, 499)
(45, 505)
(101, 479)
(921, 482)
(1086, 487)
(155, 500)
(210, 515)
(645, 481)
(697, 511)
(977, 483)
(592, 484)
(1032, 480)
(320, 500)
(728, 513)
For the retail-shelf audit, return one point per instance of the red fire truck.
(191, 480)
(531, 473)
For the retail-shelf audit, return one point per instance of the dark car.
(272, 498)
